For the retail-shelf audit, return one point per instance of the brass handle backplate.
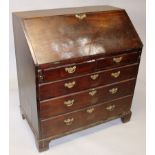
(69, 103)
(94, 77)
(93, 92)
(90, 110)
(113, 90)
(111, 107)
(70, 70)
(69, 121)
(118, 59)
(116, 74)
(69, 84)
(81, 16)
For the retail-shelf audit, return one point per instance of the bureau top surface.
(57, 35)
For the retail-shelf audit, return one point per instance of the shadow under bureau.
(76, 68)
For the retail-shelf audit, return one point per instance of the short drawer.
(82, 118)
(72, 85)
(119, 60)
(61, 105)
(53, 74)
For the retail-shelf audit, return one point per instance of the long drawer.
(64, 87)
(71, 70)
(60, 105)
(75, 120)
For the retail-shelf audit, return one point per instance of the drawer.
(76, 84)
(82, 118)
(123, 59)
(57, 73)
(52, 74)
(61, 105)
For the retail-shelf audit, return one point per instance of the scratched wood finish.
(97, 47)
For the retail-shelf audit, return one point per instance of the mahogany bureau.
(76, 68)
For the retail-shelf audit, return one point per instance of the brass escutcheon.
(116, 74)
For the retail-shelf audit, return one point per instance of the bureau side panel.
(26, 76)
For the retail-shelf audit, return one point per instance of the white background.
(111, 138)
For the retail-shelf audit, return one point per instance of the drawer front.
(75, 120)
(49, 74)
(54, 89)
(118, 60)
(67, 71)
(61, 105)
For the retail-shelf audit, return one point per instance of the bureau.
(76, 68)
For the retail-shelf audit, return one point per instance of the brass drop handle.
(111, 107)
(93, 92)
(69, 103)
(113, 90)
(118, 59)
(70, 84)
(116, 74)
(70, 70)
(94, 77)
(81, 16)
(90, 110)
(69, 121)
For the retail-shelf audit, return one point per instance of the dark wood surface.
(81, 118)
(80, 60)
(56, 106)
(57, 38)
(54, 89)
(100, 53)
(126, 59)
(26, 73)
(56, 73)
